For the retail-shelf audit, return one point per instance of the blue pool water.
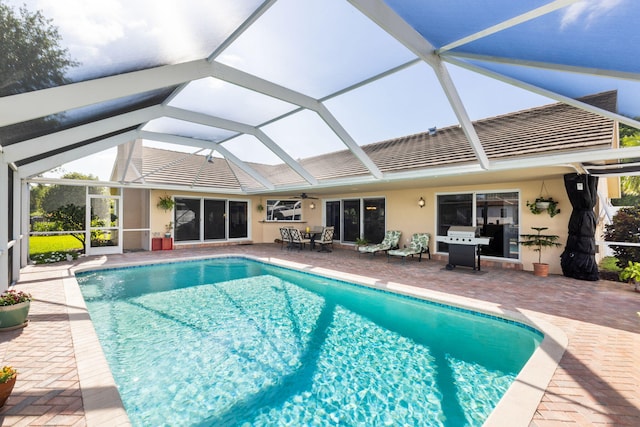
(232, 341)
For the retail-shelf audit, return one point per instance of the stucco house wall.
(404, 214)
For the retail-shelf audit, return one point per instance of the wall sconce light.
(312, 205)
(421, 202)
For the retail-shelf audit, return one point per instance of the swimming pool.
(236, 341)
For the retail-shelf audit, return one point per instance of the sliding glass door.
(495, 215)
(200, 219)
(355, 218)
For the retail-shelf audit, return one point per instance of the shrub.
(7, 374)
(631, 271)
(13, 297)
(54, 256)
(625, 228)
(43, 226)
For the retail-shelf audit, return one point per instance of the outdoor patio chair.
(296, 239)
(284, 236)
(390, 241)
(326, 239)
(418, 245)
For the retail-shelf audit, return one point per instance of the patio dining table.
(311, 233)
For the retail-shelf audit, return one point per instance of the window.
(221, 219)
(496, 215)
(284, 210)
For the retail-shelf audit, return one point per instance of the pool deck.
(63, 379)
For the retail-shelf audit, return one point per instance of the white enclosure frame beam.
(128, 164)
(31, 105)
(532, 14)
(242, 28)
(68, 137)
(39, 166)
(547, 93)
(195, 142)
(256, 84)
(25, 206)
(4, 221)
(388, 20)
(204, 119)
(590, 71)
(18, 237)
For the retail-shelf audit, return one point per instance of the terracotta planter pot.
(541, 270)
(6, 389)
(14, 316)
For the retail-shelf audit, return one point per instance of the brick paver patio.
(596, 383)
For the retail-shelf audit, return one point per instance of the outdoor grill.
(464, 245)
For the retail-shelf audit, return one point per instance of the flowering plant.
(12, 297)
(7, 374)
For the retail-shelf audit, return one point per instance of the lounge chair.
(418, 245)
(284, 236)
(326, 239)
(390, 241)
(296, 239)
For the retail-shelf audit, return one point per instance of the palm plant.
(539, 241)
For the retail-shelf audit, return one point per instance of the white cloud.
(587, 11)
(102, 35)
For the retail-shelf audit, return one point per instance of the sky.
(328, 46)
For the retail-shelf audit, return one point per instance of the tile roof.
(177, 168)
(546, 130)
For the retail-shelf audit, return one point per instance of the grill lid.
(462, 231)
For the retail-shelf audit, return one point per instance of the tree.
(70, 217)
(625, 228)
(30, 54)
(36, 194)
(630, 137)
(59, 195)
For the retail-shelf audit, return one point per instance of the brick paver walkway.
(597, 382)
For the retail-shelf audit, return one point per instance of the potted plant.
(361, 241)
(8, 377)
(260, 208)
(542, 204)
(631, 274)
(538, 242)
(14, 309)
(166, 203)
(168, 229)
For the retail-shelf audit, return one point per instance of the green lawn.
(47, 249)
(609, 264)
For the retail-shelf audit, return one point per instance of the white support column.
(4, 224)
(17, 230)
(25, 227)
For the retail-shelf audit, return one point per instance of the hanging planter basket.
(543, 204)
(166, 203)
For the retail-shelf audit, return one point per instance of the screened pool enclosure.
(272, 82)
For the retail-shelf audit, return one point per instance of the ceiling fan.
(304, 196)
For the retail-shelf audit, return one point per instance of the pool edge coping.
(516, 407)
